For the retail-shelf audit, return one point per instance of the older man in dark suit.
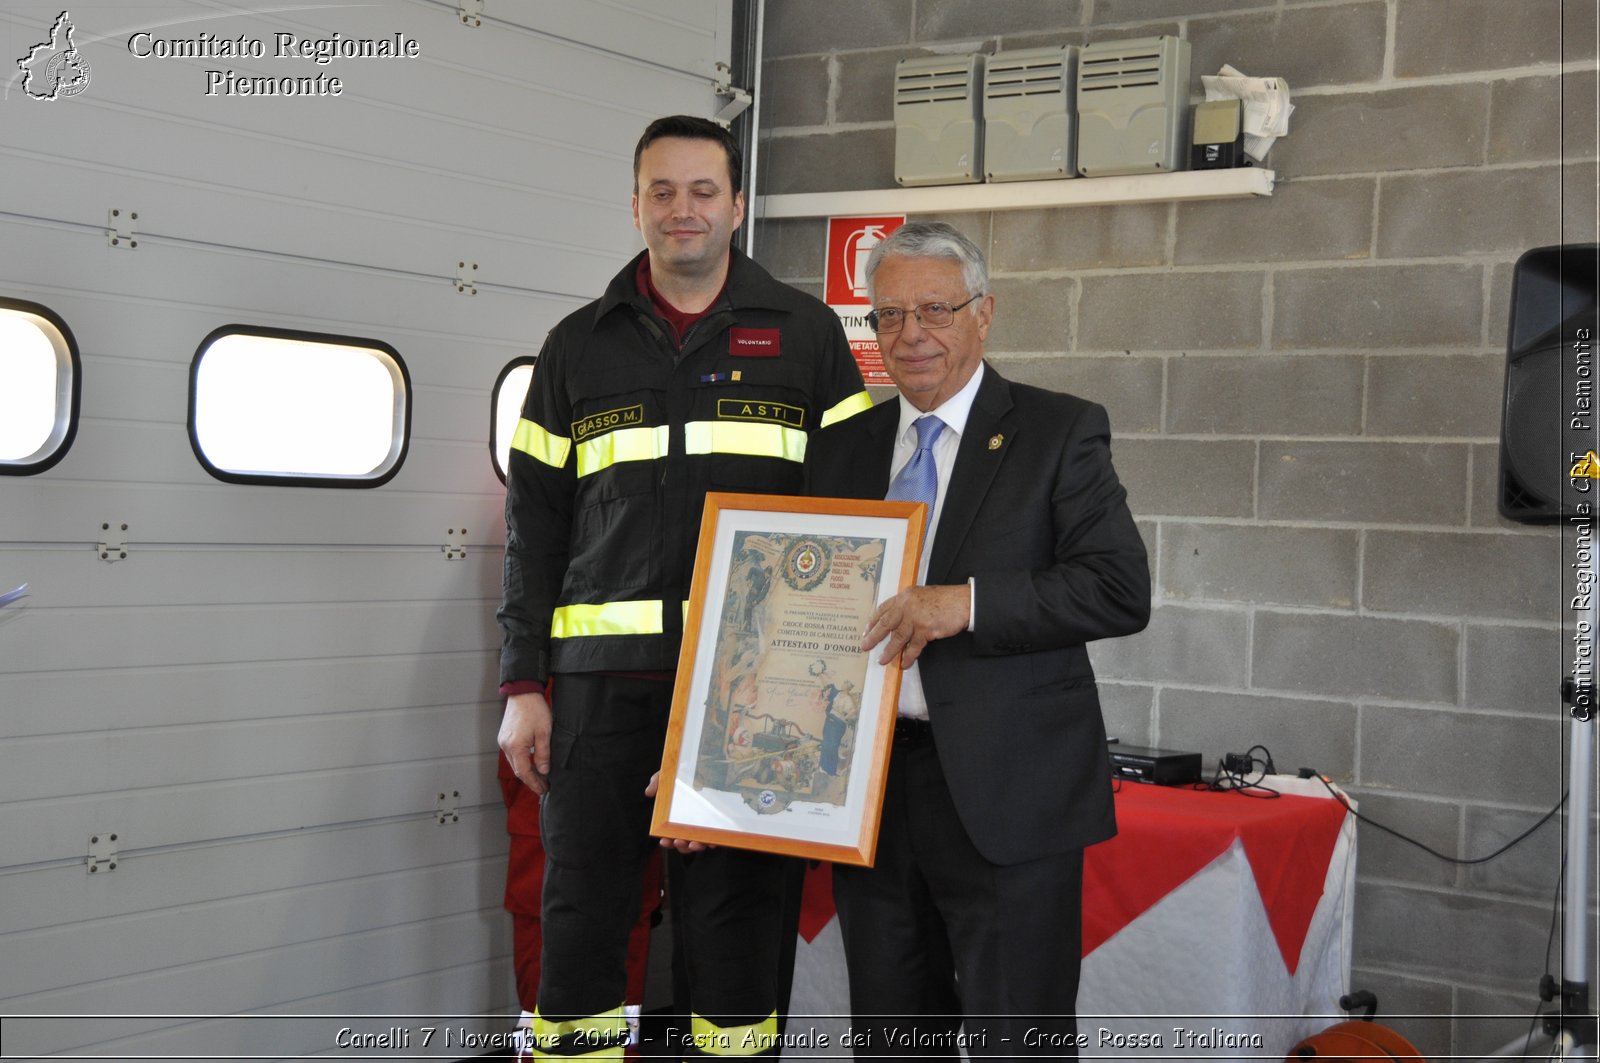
(999, 777)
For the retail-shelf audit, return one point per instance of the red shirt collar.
(680, 320)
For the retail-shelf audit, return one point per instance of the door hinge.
(120, 229)
(102, 854)
(113, 545)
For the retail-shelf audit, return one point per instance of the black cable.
(1229, 778)
(1560, 878)
(1248, 783)
(1428, 848)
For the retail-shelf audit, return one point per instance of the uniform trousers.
(727, 904)
(525, 888)
(947, 950)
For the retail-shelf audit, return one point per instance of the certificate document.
(780, 728)
(788, 670)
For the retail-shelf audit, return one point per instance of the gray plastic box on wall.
(938, 120)
(1030, 129)
(1133, 105)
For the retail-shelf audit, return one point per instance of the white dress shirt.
(954, 413)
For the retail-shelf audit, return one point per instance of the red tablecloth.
(1165, 836)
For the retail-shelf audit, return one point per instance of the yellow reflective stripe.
(608, 1030)
(534, 441)
(607, 618)
(750, 1040)
(742, 437)
(624, 444)
(855, 404)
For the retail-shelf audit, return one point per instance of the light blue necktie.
(919, 480)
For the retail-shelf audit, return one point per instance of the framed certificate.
(781, 723)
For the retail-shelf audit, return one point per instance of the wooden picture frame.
(781, 725)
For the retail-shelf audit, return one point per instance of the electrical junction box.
(1218, 136)
(1029, 122)
(1133, 101)
(938, 110)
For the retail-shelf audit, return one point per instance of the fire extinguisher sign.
(850, 241)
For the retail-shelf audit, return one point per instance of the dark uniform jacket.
(622, 435)
(1036, 516)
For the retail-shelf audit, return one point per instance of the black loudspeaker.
(1548, 423)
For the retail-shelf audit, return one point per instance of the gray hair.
(932, 239)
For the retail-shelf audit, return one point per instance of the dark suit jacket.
(1036, 514)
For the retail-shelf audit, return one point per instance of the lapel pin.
(995, 441)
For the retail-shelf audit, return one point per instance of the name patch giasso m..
(596, 423)
(751, 410)
(753, 342)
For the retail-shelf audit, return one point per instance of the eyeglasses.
(928, 315)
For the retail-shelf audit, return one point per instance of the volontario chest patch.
(753, 342)
(600, 423)
(752, 410)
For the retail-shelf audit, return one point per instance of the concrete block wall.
(1305, 395)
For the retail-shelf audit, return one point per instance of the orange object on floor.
(1355, 1039)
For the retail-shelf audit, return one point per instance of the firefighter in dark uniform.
(695, 371)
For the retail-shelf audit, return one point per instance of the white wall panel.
(60, 828)
(150, 453)
(481, 101)
(141, 333)
(580, 244)
(66, 955)
(59, 894)
(289, 974)
(64, 577)
(305, 1027)
(60, 510)
(532, 83)
(265, 698)
(56, 639)
(73, 700)
(450, 466)
(113, 760)
(245, 287)
(459, 415)
(673, 32)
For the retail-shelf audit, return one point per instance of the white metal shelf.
(1017, 195)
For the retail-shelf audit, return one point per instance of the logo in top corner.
(55, 68)
(805, 564)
